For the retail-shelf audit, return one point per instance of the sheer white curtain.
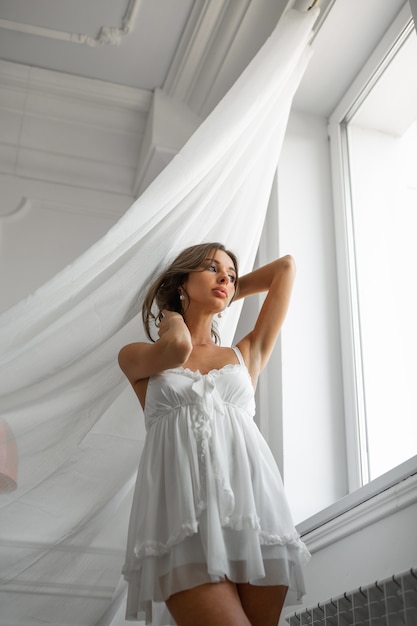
(64, 402)
(413, 4)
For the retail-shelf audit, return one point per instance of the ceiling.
(143, 43)
(101, 94)
(139, 58)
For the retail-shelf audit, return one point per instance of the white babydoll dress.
(209, 502)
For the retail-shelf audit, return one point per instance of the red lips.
(219, 291)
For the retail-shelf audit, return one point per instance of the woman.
(210, 533)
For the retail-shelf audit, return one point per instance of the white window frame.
(358, 472)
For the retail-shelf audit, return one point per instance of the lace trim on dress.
(197, 374)
(157, 548)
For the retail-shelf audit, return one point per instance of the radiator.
(390, 602)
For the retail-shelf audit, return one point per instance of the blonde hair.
(164, 293)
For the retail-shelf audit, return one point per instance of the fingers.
(167, 314)
(164, 314)
(164, 320)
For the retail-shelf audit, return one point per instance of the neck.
(200, 330)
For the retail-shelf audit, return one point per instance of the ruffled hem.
(157, 548)
(246, 556)
(248, 522)
(147, 590)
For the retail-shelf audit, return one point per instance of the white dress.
(209, 501)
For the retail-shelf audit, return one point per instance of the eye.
(211, 268)
(232, 278)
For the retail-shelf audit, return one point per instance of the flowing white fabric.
(76, 425)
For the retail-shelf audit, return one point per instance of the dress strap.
(239, 355)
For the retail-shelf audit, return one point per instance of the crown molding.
(193, 48)
(207, 39)
(112, 35)
(214, 48)
(69, 86)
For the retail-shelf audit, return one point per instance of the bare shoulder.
(131, 350)
(130, 357)
(141, 360)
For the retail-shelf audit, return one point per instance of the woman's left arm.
(276, 279)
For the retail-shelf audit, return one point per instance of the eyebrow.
(218, 263)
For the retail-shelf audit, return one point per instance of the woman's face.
(212, 285)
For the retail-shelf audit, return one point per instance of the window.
(375, 141)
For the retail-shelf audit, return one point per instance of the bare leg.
(213, 604)
(262, 605)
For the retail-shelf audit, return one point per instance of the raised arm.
(276, 279)
(140, 360)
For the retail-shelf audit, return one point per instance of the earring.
(182, 297)
(219, 314)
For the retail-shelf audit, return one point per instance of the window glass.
(381, 137)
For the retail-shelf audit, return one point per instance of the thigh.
(212, 604)
(262, 605)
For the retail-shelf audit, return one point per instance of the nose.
(224, 278)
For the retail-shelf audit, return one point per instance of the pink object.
(8, 459)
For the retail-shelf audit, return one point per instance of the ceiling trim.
(200, 38)
(192, 50)
(69, 86)
(112, 35)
